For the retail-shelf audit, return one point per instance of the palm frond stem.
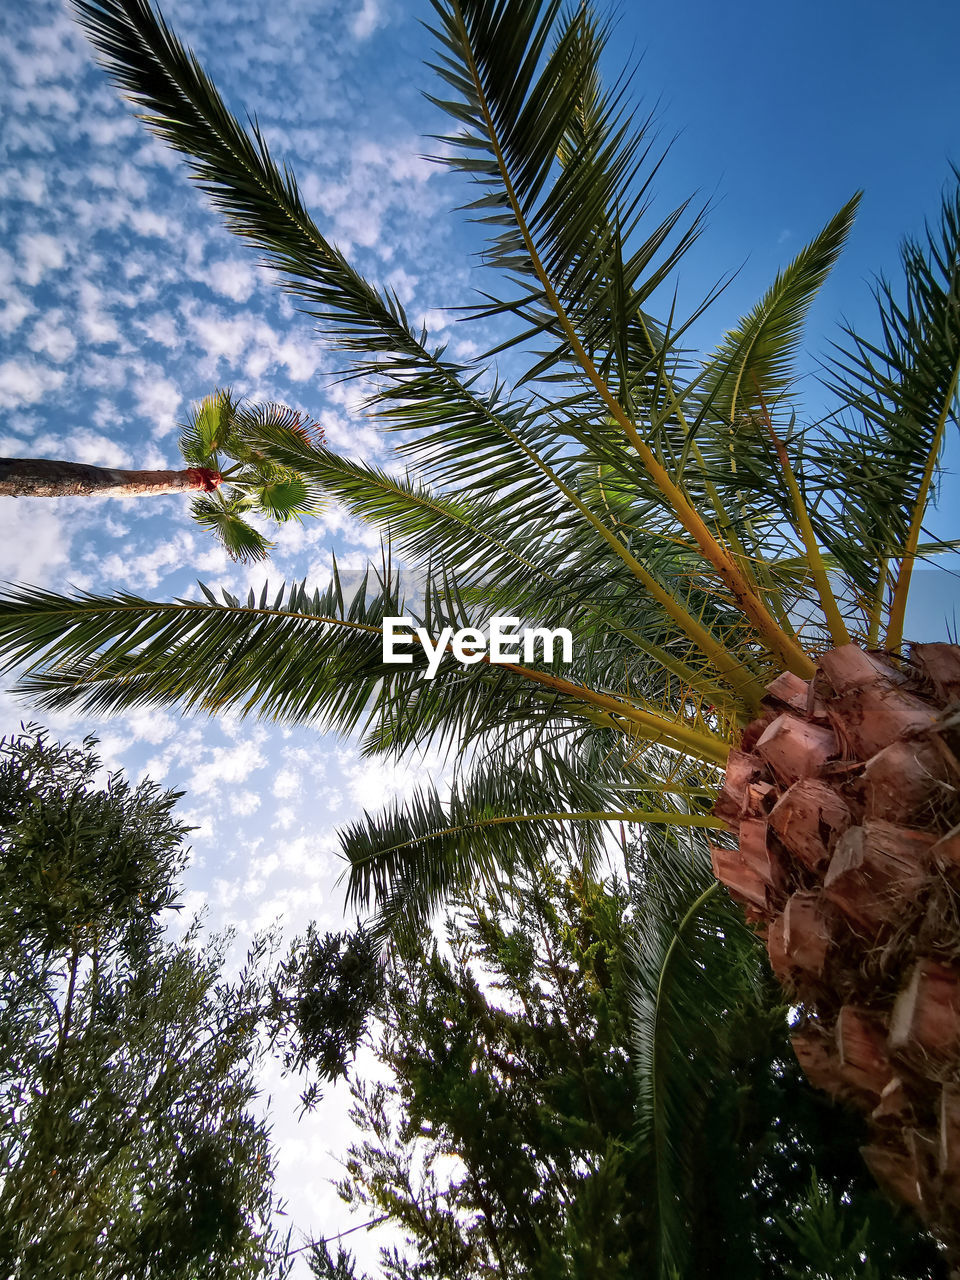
(750, 689)
(740, 679)
(669, 818)
(652, 727)
(725, 524)
(875, 608)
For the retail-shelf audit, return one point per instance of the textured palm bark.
(50, 478)
(844, 807)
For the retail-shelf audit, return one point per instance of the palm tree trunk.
(844, 804)
(47, 478)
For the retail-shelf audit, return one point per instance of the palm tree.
(736, 580)
(217, 441)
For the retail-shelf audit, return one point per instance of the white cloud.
(229, 765)
(286, 904)
(87, 446)
(285, 817)
(35, 538)
(28, 183)
(39, 253)
(25, 381)
(353, 437)
(158, 400)
(381, 181)
(227, 892)
(372, 783)
(152, 726)
(95, 322)
(124, 177)
(244, 337)
(82, 446)
(244, 803)
(287, 783)
(204, 828)
(151, 151)
(364, 23)
(232, 278)
(402, 283)
(312, 856)
(150, 458)
(14, 309)
(195, 902)
(51, 337)
(140, 569)
(162, 329)
(435, 321)
(147, 222)
(106, 131)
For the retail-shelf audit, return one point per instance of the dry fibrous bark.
(845, 803)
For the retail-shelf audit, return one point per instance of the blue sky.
(122, 299)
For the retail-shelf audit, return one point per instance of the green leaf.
(207, 428)
(284, 499)
(240, 540)
(754, 363)
(693, 960)
(881, 453)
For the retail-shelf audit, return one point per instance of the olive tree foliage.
(321, 998)
(127, 1060)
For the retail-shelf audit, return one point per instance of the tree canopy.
(594, 1078)
(128, 1062)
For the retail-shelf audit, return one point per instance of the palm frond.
(693, 960)
(316, 657)
(283, 497)
(660, 506)
(237, 536)
(753, 366)
(207, 428)
(899, 394)
(541, 561)
(516, 116)
(411, 858)
(564, 168)
(220, 429)
(295, 655)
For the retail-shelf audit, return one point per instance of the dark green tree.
(127, 1061)
(580, 1071)
(321, 998)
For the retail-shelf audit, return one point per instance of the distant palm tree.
(219, 430)
(728, 574)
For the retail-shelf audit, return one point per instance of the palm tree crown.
(670, 509)
(220, 435)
